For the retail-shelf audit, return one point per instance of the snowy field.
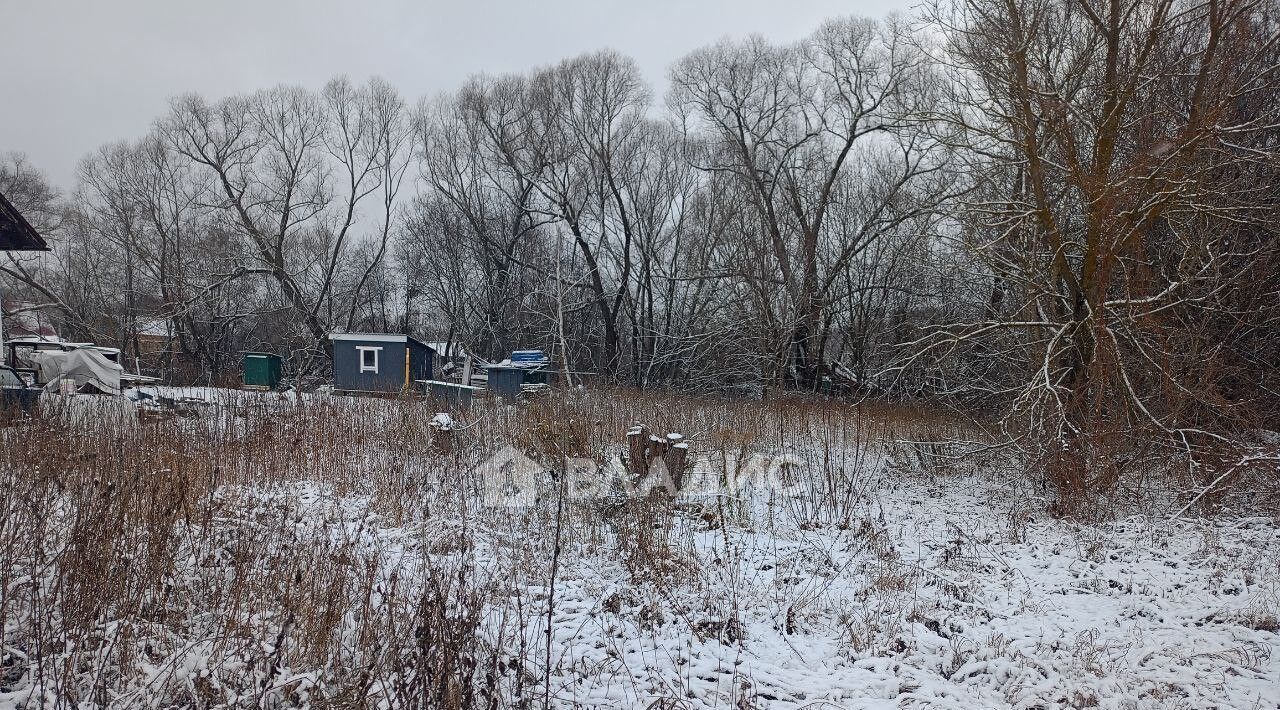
(885, 579)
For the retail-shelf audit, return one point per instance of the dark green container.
(261, 370)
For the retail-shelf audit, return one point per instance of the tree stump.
(442, 434)
(637, 452)
(645, 449)
(675, 456)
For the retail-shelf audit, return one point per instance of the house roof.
(154, 327)
(377, 338)
(16, 233)
(26, 319)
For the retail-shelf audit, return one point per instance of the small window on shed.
(368, 358)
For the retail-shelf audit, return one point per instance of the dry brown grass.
(132, 547)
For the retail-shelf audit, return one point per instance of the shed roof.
(510, 365)
(531, 360)
(16, 233)
(378, 338)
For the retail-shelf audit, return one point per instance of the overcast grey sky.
(81, 73)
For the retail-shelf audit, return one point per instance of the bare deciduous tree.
(1113, 174)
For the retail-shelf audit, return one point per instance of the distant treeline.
(1060, 209)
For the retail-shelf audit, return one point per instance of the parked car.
(15, 393)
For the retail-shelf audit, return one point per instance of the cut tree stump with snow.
(645, 449)
(442, 433)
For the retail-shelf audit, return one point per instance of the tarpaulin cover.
(82, 366)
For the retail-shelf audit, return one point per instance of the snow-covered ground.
(921, 587)
(942, 597)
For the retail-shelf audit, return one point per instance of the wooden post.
(676, 458)
(442, 434)
(637, 455)
(657, 449)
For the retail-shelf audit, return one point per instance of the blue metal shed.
(379, 362)
(525, 367)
